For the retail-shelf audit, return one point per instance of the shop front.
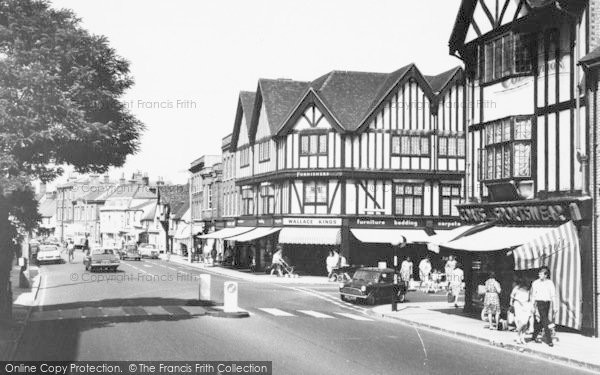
(306, 242)
(375, 240)
(253, 249)
(515, 239)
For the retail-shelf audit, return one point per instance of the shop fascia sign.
(312, 221)
(544, 212)
(318, 174)
(386, 222)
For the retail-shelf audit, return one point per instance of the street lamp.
(398, 244)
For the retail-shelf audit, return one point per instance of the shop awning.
(497, 238)
(391, 236)
(443, 236)
(310, 236)
(226, 233)
(559, 250)
(254, 234)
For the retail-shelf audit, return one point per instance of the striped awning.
(254, 234)
(310, 236)
(496, 238)
(225, 233)
(391, 236)
(559, 250)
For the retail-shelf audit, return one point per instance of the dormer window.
(313, 144)
(505, 56)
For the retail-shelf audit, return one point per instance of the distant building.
(47, 210)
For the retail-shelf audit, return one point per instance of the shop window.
(267, 196)
(315, 193)
(507, 152)
(505, 56)
(410, 145)
(313, 145)
(264, 151)
(247, 202)
(450, 198)
(408, 199)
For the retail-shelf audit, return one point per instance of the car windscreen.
(48, 248)
(367, 276)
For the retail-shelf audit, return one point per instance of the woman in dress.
(406, 270)
(521, 304)
(491, 301)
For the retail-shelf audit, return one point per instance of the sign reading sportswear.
(313, 221)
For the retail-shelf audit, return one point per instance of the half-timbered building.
(527, 147)
(356, 161)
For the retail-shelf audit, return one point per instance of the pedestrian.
(456, 281)
(71, 251)
(406, 270)
(491, 301)
(521, 304)
(543, 295)
(449, 269)
(331, 263)
(277, 260)
(425, 273)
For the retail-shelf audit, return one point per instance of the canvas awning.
(226, 233)
(497, 238)
(254, 234)
(559, 250)
(443, 236)
(310, 236)
(391, 236)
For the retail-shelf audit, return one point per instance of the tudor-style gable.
(241, 135)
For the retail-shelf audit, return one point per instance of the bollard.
(230, 298)
(204, 287)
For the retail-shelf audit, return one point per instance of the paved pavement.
(147, 312)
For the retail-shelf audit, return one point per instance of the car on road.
(102, 259)
(130, 252)
(48, 254)
(148, 251)
(372, 284)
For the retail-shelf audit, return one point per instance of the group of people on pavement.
(535, 302)
(334, 261)
(430, 279)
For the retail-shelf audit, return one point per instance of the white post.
(230, 300)
(204, 287)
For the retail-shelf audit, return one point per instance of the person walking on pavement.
(276, 262)
(543, 295)
(521, 305)
(449, 269)
(456, 281)
(425, 273)
(406, 270)
(491, 301)
(331, 263)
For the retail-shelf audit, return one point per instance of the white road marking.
(275, 312)
(355, 317)
(147, 265)
(316, 314)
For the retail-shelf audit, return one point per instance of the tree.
(60, 91)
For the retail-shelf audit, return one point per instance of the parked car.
(371, 284)
(48, 254)
(130, 252)
(148, 251)
(102, 259)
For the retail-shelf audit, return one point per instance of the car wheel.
(370, 300)
(342, 297)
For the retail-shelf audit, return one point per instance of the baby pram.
(282, 268)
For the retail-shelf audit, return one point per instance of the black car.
(371, 284)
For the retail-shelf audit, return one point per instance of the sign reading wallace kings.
(526, 212)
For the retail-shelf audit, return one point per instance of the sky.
(190, 58)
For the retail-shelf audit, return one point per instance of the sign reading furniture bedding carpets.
(542, 212)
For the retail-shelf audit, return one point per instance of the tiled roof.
(176, 196)
(591, 57)
(348, 95)
(181, 210)
(438, 82)
(150, 214)
(247, 99)
(279, 97)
